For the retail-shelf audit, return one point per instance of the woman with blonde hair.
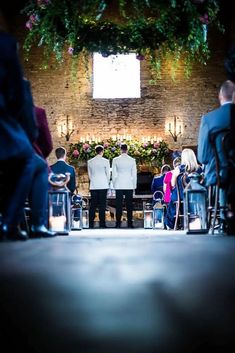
(188, 164)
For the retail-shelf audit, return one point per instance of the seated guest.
(167, 187)
(61, 167)
(157, 182)
(188, 165)
(38, 195)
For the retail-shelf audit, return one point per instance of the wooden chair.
(181, 182)
(219, 141)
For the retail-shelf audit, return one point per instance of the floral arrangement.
(154, 30)
(151, 153)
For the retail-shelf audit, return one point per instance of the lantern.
(158, 210)
(85, 213)
(59, 204)
(76, 213)
(195, 206)
(148, 216)
(158, 215)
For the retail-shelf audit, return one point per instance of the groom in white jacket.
(99, 175)
(124, 177)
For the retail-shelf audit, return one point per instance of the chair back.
(158, 195)
(220, 141)
(181, 183)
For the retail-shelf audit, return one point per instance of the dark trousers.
(16, 179)
(38, 196)
(98, 200)
(129, 205)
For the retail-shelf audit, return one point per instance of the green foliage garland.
(154, 30)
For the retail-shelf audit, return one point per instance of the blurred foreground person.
(16, 152)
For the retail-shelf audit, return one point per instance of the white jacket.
(124, 172)
(99, 172)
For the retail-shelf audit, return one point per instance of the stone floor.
(118, 291)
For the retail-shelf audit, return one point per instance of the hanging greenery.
(154, 30)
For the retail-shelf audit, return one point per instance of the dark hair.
(176, 162)
(124, 147)
(99, 149)
(60, 152)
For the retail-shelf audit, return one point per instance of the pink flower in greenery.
(29, 25)
(106, 145)
(33, 18)
(76, 153)
(70, 50)
(86, 146)
(156, 145)
(204, 19)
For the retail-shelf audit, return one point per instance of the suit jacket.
(43, 144)
(99, 173)
(213, 121)
(13, 139)
(63, 167)
(124, 172)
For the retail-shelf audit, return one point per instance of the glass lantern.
(59, 204)
(85, 213)
(195, 206)
(76, 213)
(148, 216)
(158, 215)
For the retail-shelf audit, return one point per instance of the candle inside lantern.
(57, 224)
(195, 224)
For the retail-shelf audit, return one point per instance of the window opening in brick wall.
(116, 76)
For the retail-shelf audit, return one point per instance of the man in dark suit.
(61, 167)
(215, 120)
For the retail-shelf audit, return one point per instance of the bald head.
(226, 91)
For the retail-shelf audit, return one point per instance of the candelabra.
(174, 133)
(67, 129)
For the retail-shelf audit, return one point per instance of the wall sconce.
(67, 129)
(175, 132)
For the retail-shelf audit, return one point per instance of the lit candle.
(57, 224)
(180, 129)
(70, 126)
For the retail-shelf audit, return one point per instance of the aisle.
(118, 291)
